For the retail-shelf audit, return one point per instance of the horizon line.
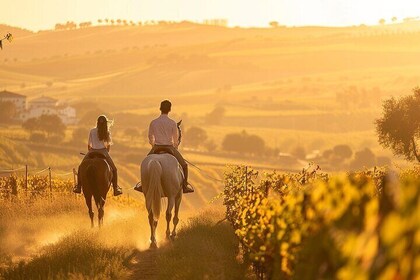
(203, 22)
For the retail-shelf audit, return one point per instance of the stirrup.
(138, 187)
(187, 188)
(77, 189)
(117, 191)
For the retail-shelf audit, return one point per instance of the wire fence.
(31, 183)
(35, 182)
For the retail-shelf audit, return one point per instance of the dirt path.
(143, 264)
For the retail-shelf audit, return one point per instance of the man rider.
(163, 136)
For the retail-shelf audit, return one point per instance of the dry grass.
(203, 250)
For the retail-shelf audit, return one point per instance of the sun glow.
(44, 14)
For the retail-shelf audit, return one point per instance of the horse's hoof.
(153, 245)
(173, 237)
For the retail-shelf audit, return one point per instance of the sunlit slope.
(185, 58)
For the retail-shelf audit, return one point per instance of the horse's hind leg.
(101, 214)
(171, 203)
(178, 199)
(153, 226)
(89, 205)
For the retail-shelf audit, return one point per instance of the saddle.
(92, 155)
(98, 155)
(162, 150)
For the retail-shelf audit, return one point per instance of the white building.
(45, 105)
(37, 107)
(43, 102)
(18, 100)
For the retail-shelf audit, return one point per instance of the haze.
(44, 14)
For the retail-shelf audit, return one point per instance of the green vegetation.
(311, 225)
(203, 249)
(399, 128)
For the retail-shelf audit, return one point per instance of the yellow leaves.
(359, 238)
(296, 237)
(371, 216)
(390, 272)
(392, 228)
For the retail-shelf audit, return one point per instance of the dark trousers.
(172, 150)
(108, 159)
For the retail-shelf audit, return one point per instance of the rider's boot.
(186, 187)
(138, 187)
(117, 190)
(77, 189)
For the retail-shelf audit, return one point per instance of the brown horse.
(96, 177)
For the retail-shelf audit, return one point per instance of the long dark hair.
(102, 125)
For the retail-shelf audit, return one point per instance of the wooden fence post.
(49, 175)
(74, 180)
(26, 180)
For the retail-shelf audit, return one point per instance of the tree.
(299, 152)
(215, 117)
(382, 21)
(394, 19)
(210, 145)
(399, 127)
(343, 151)
(49, 124)
(243, 143)
(7, 111)
(31, 125)
(363, 158)
(274, 24)
(195, 136)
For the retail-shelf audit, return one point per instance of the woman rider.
(100, 142)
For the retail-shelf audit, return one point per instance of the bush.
(38, 137)
(243, 143)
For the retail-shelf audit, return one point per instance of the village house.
(37, 107)
(18, 100)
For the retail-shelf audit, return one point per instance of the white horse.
(161, 176)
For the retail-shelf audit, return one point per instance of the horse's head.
(178, 125)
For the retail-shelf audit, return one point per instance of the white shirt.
(163, 131)
(94, 141)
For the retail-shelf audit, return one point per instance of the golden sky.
(44, 14)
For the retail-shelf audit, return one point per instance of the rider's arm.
(90, 141)
(175, 136)
(108, 143)
(151, 135)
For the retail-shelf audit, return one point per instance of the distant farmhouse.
(39, 106)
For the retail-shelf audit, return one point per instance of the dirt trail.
(143, 264)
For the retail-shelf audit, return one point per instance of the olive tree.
(399, 126)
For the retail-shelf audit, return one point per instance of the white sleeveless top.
(94, 141)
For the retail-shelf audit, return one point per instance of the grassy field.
(298, 87)
(53, 240)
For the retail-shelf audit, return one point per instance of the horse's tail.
(91, 178)
(154, 190)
